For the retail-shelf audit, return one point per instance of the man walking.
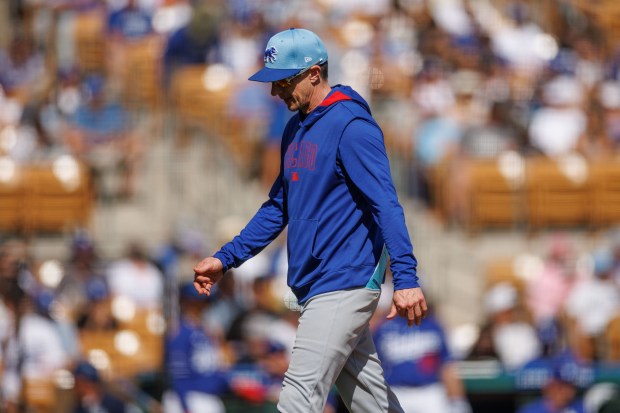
(336, 195)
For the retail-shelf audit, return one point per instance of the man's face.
(295, 93)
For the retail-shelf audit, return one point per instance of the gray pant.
(334, 346)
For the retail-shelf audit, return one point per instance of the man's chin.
(291, 105)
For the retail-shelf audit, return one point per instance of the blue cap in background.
(97, 289)
(188, 292)
(288, 53)
(87, 371)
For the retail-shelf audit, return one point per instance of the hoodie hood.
(339, 93)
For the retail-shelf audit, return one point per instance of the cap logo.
(270, 55)
(307, 59)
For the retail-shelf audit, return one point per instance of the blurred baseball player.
(335, 194)
(419, 367)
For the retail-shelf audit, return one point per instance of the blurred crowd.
(450, 82)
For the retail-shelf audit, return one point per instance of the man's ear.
(315, 74)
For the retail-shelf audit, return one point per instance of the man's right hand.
(206, 273)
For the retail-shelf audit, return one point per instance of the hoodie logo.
(270, 55)
(300, 156)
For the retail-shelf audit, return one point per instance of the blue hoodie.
(336, 195)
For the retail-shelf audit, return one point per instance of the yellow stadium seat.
(54, 204)
(605, 200)
(554, 195)
(493, 199)
(12, 202)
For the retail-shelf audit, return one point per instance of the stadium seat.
(12, 201)
(141, 80)
(195, 105)
(494, 201)
(605, 200)
(557, 193)
(503, 269)
(123, 353)
(89, 40)
(53, 204)
(39, 395)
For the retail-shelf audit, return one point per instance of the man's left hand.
(410, 304)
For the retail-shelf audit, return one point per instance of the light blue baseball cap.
(288, 53)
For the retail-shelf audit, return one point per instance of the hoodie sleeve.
(263, 228)
(364, 159)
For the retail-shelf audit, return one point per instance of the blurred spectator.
(452, 17)
(11, 297)
(547, 291)
(100, 133)
(561, 392)
(226, 307)
(35, 350)
(136, 278)
(129, 22)
(418, 365)
(514, 37)
(589, 65)
(21, 140)
(68, 94)
(23, 82)
(591, 304)
(245, 33)
(194, 360)
(264, 321)
(496, 81)
(195, 43)
(507, 335)
(97, 315)
(493, 137)
(433, 93)
(83, 265)
(263, 340)
(257, 375)
(252, 269)
(470, 109)
(50, 114)
(91, 393)
(558, 127)
(173, 257)
(483, 347)
(608, 97)
(22, 69)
